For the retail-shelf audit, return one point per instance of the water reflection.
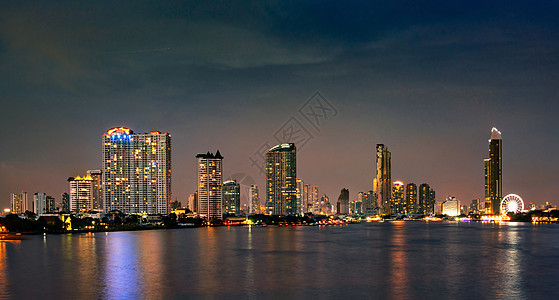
(4, 279)
(121, 269)
(398, 261)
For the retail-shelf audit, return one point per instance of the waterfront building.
(398, 205)
(431, 201)
(368, 202)
(210, 180)
(65, 202)
(81, 193)
(39, 203)
(424, 203)
(411, 198)
(343, 202)
(325, 207)
(451, 207)
(50, 205)
(382, 183)
(136, 171)
(97, 179)
(231, 197)
(193, 202)
(18, 202)
(312, 200)
(301, 197)
(493, 174)
(254, 199)
(281, 185)
(475, 206)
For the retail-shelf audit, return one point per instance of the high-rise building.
(81, 193)
(301, 197)
(368, 203)
(311, 193)
(325, 207)
(493, 174)
(451, 207)
(398, 204)
(383, 181)
(97, 179)
(281, 185)
(411, 198)
(431, 201)
(136, 171)
(65, 202)
(18, 202)
(343, 202)
(50, 205)
(193, 202)
(424, 203)
(231, 197)
(40, 203)
(475, 206)
(210, 180)
(254, 199)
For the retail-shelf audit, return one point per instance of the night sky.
(427, 79)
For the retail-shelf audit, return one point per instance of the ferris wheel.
(512, 203)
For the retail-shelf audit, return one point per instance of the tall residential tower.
(136, 171)
(493, 175)
(382, 185)
(210, 181)
(281, 184)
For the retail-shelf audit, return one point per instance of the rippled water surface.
(368, 260)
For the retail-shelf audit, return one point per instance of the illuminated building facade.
(281, 184)
(383, 181)
(254, 199)
(343, 202)
(65, 202)
(97, 177)
(210, 180)
(136, 171)
(231, 197)
(193, 202)
(18, 202)
(398, 206)
(39, 203)
(81, 193)
(411, 198)
(451, 207)
(301, 197)
(311, 195)
(475, 206)
(493, 174)
(424, 203)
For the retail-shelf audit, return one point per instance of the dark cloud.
(427, 79)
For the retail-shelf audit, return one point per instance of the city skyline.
(428, 83)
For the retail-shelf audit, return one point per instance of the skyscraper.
(231, 197)
(343, 202)
(424, 205)
(65, 202)
(18, 202)
(493, 174)
(81, 193)
(97, 180)
(411, 198)
(311, 193)
(210, 180)
(39, 203)
(398, 197)
(136, 171)
(254, 199)
(451, 207)
(281, 174)
(193, 202)
(382, 183)
(301, 197)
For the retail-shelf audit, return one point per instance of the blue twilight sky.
(429, 79)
